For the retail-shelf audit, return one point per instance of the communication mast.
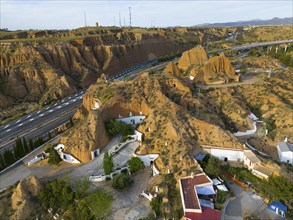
(129, 16)
(120, 20)
(84, 18)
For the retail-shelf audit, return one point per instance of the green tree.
(81, 187)
(8, 157)
(2, 163)
(31, 144)
(277, 188)
(49, 136)
(213, 166)
(114, 127)
(54, 157)
(156, 204)
(121, 181)
(108, 163)
(71, 122)
(25, 146)
(135, 164)
(100, 203)
(19, 148)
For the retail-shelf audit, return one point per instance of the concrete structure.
(285, 152)
(225, 154)
(132, 119)
(101, 178)
(248, 158)
(278, 208)
(191, 204)
(65, 156)
(96, 104)
(95, 153)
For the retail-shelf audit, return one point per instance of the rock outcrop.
(195, 56)
(22, 197)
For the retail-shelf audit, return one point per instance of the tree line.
(21, 148)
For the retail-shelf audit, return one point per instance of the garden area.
(74, 204)
(275, 188)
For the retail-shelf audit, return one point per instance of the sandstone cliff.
(195, 56)
(22, 198)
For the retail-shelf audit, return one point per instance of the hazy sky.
(54, 14)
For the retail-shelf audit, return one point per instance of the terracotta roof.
(207, 214)
(188, 189)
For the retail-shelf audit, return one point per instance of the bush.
(114, 127)
(54, 157)
(221, 196)
(156, 204)
(135, 164)
(108, 163)
(121, 181)
(213, 166)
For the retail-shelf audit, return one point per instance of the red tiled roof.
(188, 190)
(207, 214)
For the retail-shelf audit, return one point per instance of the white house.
(285, 152)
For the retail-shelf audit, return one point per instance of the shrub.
(135, 164)
(156, 204)
(121, 181)
(54, 157)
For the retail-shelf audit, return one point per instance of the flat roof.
(285, 146)
(188, 189)
(251, 156)
(263, 170)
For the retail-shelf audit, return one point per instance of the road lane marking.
(20, 124)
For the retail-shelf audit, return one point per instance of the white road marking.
(38, 112)
(18, 121)
(51, 110)
(42, 115)
(20, 125)
(6, 126)
(31, 119)
(28, 116)
(8, 130)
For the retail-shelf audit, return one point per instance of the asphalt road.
(41, 122)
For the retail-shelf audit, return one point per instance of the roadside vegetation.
(78, 204)
(169, 56)
(20, 149)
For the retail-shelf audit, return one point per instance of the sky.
(69, 14)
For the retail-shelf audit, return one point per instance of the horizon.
(50, 14)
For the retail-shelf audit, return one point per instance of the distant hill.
(256, 22)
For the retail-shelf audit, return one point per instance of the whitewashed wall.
(69, 158)
(147, 158)
(232, 155)
(132, 119)
(285, 156)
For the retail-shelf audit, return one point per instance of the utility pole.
(130, 17)
(114, 21)
(124, 21)
(120, 19)
(154, 21)
(84, 18)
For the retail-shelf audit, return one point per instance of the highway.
(39, 122)
(253, 45)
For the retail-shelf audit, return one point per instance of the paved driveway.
(245, 203)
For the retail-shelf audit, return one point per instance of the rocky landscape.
(178, 119)
(38, 67)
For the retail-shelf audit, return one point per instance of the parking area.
(246, 204)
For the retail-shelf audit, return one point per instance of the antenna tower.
(129, 16)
